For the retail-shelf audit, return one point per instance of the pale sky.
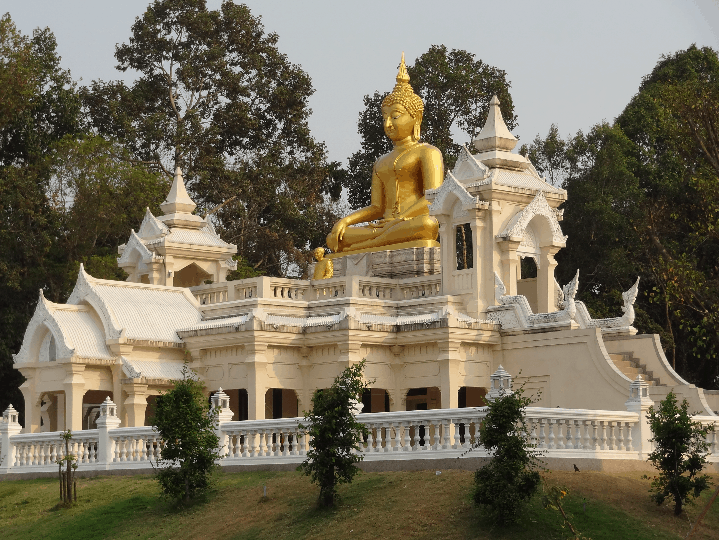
(573, 63)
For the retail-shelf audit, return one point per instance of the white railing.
(432, 434)
(140, 445)
(44, 449)
(305, 291)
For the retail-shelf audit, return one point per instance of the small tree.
(189, 444)
(335, 434)
(680, 451)
(68, 484)
(510, 479)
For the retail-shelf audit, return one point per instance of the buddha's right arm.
(375, 209)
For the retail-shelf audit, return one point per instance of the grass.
(377, 505)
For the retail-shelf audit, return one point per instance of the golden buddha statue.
(398, 213)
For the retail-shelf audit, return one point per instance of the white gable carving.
(445, 196)
(538, 207)
(152, 227)
(468, 169)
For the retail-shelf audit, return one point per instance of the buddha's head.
(404, 95)
(319, 253)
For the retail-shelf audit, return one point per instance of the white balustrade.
(431, 434)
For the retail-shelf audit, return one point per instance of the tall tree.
(38, 106)
(456, 89)
(216, 97)
(642, 200)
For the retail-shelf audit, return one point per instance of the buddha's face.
(398, 123)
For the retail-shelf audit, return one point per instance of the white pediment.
(539, 206)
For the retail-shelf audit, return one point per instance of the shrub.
(679, 453)
(335, 433)
(510, 479)
(190, 446)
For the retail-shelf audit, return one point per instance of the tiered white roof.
(135, 310)
(178, 227)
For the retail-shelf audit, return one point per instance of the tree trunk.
(68, 483)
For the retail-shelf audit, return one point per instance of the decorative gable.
(517, 226)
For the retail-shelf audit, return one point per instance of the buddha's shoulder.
(426, 149)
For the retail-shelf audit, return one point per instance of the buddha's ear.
(415, 133)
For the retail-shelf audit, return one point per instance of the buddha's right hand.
(335, 236)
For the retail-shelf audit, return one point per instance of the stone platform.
(396, 263)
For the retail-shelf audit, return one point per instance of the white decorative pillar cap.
(108, 407)
(639, 391)
(10, 416)
(501, 382)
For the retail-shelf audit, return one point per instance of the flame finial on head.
(404, 94)
(402, 75)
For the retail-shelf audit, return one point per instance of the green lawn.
(377, 505)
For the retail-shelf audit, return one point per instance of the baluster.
(577, 434)
(533, 431)
(436, 436)
(714, 448)
(41, 453)
(542, 434)
(454, 426)
(629, 442)
(612, 436)
(446, 444)
(378, 438)
(285, 442)
(253, 448)
(568, 440)
(368, 446)
(603, 435)
(620, 442)
(233, 443)
(586, 444)
(405, 439)
(552, 438)
(243, 443)
(390, 438)
(561, 437)
(415, 438)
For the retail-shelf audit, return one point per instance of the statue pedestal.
(395, 263)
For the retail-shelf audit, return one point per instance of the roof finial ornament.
(178, 201)
(494, 134)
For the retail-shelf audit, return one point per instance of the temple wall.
(571, 368)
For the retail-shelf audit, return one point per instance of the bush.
(507, 482)
(679, 453)
(190, 446)
(335, 433)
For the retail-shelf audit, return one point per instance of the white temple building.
(433, 323)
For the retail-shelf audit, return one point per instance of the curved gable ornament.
(135, 244)
(443, 198)
(43, 317)
(538, 207)
(85, 292)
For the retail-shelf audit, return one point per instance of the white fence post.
(108, 420)
(8, 427)
(639, 403)
(221, 402)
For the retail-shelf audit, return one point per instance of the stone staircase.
(631, 367)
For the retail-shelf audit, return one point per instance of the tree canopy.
(456, 89)
(65, 198)
(642, 201)
(217, 98)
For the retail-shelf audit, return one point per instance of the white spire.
(178, 201)
(494, 134)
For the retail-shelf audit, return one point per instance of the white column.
(256, 380)
(545, 280)
(74, 385)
